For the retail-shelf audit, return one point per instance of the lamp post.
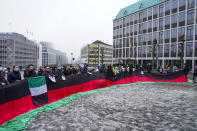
(71, 57)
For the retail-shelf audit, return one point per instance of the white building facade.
(50, 56)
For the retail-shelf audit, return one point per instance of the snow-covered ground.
(152, 107)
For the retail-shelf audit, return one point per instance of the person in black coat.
(47, 72)
(67, 71)
(186, 70)
(149, 68)
(110, 73)
(40, 71)
(30, 72)
(58, 72)
(3, 81)
(15, 75)
(195, 75)
(85, 69)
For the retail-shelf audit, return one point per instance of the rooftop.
(15, 36)
(100, 42)
(138, 6)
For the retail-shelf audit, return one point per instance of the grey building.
(16, 49)
(50, 56)
(97, 53)
(136, 26)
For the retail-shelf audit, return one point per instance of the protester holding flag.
(30, 72)
(15, 75)
(38, 89)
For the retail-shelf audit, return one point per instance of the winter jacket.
(13, 76)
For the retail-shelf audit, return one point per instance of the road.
(152, 107)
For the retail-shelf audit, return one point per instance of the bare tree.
(154, 52)
(181, 49)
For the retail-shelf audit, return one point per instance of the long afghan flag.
(38, 89)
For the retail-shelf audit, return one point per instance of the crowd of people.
(8, 76)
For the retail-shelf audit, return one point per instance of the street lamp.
(71, 57)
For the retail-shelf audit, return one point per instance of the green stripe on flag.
(19, 122)
(35, 82)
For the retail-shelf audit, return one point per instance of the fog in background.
(68, 24)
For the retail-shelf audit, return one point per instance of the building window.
(127, 31)
(149, 51)
(196, 33)
(120, 43)
(120, 23)
(189, 49)
(161, 34)
(140, 39)
(166, 50)
(116, 53)
(135, 29)
(167, 8)
(191, 4)
(135, 40)
(173, 50)
(196, 49)
(181, 5)
(136, 18)
(160, 50)
(145, 27)
(131, 42)
(126, 21)
(155, 12)
(131, 19)
(161, 10)
(155, 36)
(173, 35)
(167, 36)
(167, 22)
(124, 32)
(140, 16)
(174, 21)
(140, 28)
(155, 25)
(190, 33)
(190, 17)
(139, 51)
(127, 52)
(120, 53)
(181, 33)
(143, 51)
(182, 19)
(174, 6)
(145, 15)
(150, 13)
(150, 26)
(131, 30)
(149, 38)
(131, 52)
(161, 23)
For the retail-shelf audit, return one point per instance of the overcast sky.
(68, 24)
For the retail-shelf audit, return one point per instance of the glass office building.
(136, 26)
(16, 49)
